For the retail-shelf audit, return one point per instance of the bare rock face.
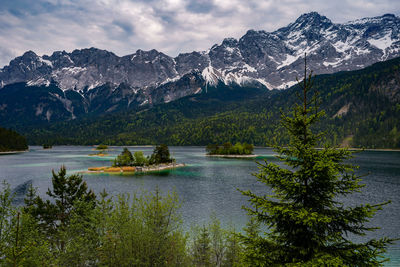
(105, 82)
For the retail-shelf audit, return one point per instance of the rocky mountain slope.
(98, 81)
(362, 109)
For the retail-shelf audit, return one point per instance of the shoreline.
(13, 152)
(133, 170)
(258, 147)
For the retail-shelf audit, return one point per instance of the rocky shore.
(137, 169)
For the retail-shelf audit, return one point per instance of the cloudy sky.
(170, 26)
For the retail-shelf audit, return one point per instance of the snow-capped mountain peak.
(273, 59)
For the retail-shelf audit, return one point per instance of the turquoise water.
(206, 185)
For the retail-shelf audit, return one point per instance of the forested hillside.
(362, 108)
(11, 141)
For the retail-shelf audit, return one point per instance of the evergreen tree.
(54, 216)
(124, 159)
(161, 155)
(308, 224)
(201, 250)
(7, 211)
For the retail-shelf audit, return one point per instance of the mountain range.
(91, 82)
(362, 109)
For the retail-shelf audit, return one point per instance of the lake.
(206, 185)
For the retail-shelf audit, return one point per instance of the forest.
(361, 107)
(11, 141)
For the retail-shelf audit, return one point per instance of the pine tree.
(54, 216)
(202, 248)
(307, 223)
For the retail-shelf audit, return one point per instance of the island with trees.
(128, 163)
(11, 141)
(101, 151)
(227, 150)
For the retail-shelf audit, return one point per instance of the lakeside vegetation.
(78, 228)
(229, 149)
(12, 141)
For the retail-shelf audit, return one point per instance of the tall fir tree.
(307, 223)
(54, 216)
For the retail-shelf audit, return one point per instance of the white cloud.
(170, 26)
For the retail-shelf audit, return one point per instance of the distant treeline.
(11, 141)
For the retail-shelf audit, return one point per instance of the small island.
(128, 163)
(101, 147)
(47, 146)
(12, 142)
(101, 151)
(227, 150)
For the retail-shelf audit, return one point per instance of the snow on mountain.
(270, 59)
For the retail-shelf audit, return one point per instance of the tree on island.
(161, 155)
(308, 224)
(124, 159)
(140, 159)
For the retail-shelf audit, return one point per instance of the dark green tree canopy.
(307, 224)
(229, 149)
(12, 141)
(161, 155)
(124, 159)
(54, 214)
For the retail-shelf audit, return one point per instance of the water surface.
(206, 185)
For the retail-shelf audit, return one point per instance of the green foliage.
(228, 149)
(143, 232)
(6, 213)
(307, 224)
(21, 243)
(11, 141)
(54, 216)
(201, 250)
(73, 229)
(140, 159)
(124, 159)
(101, 147)
(214, 246)
(161, 155)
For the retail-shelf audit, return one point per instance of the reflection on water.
(206, 185)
